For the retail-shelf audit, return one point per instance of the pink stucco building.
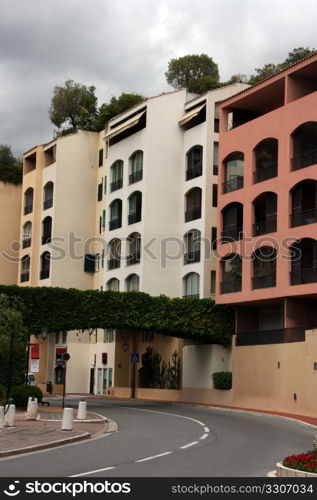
(267, 222)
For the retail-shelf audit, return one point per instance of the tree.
(115, 106)
(238, 78)
(297, 54)
(6, 156)
(196, 73)
(10, 166)
(73, 105)
(265, 72)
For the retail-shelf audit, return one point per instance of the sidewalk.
(33, 435)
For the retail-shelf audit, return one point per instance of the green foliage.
(11, 326)
(10, 166)
(173, 376)
(71, 309)
(72, 104)
(298, 54)
(23, 392)
(157, 374)
(2, 394)
(197, 73)
(116, 106)
(222, 380)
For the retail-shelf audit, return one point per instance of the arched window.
(265, 160)
(192, 241)
(191, 286)
(116, 170)
(113, 285)
(48, 192)
(304, 146)
(231, 270)
(136, 167)
(135, 207)
(265, 213)
(45, 265)
(304, 261)
(232, 222)
(115, 215)
(234, 172)
(304, 203)
(27, 235)
(134, 249)
(46, 230)
(114, 254)
(193, 204)
(264, 268)
(25, 268)
(28, 201)
(132, 283)
(194, 162)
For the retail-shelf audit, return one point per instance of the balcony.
(304, 160)
(44, 274)
(28, 209)
(278, 336)
(25, 276)
(116, 185)
(115, 224)
(231, 286)
(133, 259)
(264, 173)
(191, 257)
(113, 263)
(193, 214)
(304, 217)
(231, 232)
(304, 276)
(134, 218)
(46, 238)
(233, 184)
(135, 177)
(266, 281)
(193, 172)
(265, 226)
(26, 242)
(47, 203)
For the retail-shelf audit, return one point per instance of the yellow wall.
(10, 210)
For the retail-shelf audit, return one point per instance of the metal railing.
(116, 185)
(196, 296)
(304, 276)
(264, 173)
(46, 238)
(26, 242)
(266, 281)
(191, 257)
(28, 208)
(304, 160)
(233, 184)
(134, 217)
(265, 226)
(231, 232)
(193, 172)
(135, 176)
(304, 217)
(115, 223)
(193, 214)
(25, 276)
(47, 203)
(133, 259)
(276, 336)
(231, 286)
(113, 263)
(44, 274)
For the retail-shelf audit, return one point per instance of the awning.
(191, 114)
(124, 126)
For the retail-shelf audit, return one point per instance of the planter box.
(282, 471)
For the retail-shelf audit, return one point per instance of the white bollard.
(9, 417)
(82, 410)
(32, 409)
(67, 423)
(1, 417)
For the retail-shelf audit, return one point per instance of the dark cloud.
(125, 45)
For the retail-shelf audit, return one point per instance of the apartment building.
(10, 206)
(267, 227)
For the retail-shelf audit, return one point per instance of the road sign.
(135, 357)
(65, 356)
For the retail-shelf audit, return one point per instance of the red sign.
(61, 350)
(35, 351)
(104, 357)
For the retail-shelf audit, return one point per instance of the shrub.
(22, 393)
(222, 380)
(2, 394)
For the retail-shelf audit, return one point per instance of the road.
(170, 440)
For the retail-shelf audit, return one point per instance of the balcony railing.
(196, 296)
(47, 203)
(304, 217)
(304, 276)
(232, 184)
(25, 276)
(113, 263)
(134, 217)
(231, 232)
(191, 257)
(278, 336)
(265, 226)
(304, 160)
(115, 223)
(193, 214)
(264, 173)
(266, 281)
(28, 208)
(193, 172)
(133, 259)
(135, 176)
(44, 274)
(26, 242)
(116, 185)
(46, 238)
(231, 286)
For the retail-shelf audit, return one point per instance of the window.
(91, 263)
(45, 265)
(114, 254)
(105, 185)
(115, 215)
(113, 285)
(100, 159)
(191, 286)
(108, 335)
(304, 203)
(234, 172)
(215, 195)
(214, 238)
(193, 204)
(25, 268)
(265, 160)
(216, 125)
(135, 207)
(46, 230)
(28, 201)
(216, 155)
(304, 146)
(27, 235)
(136, 167)
(132, 283)
(192, 246)
(134, 249)
(194, 162)
(147, 337)
(99, 195)
(232, 222)
(116, 175)
(231, 268)
(103, 258)
(48, 191)
(264, 268)
(265, 213)
(213, 282)
(103, 220)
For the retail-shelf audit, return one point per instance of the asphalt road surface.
(170, 440)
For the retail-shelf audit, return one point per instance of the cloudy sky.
(125, 45)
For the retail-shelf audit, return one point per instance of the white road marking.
(204, 436)
(171, 414)
(188, 445)
(206, 429)
(154, 456)
(92, 472)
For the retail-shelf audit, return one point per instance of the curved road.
(171, 440)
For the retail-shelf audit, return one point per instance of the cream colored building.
(10, 206)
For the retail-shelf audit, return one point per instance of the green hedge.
(21, 394)
(222, 380)
(2, 394)
(70, 309)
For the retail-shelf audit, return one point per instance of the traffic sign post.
(135, 358)
(65, 358)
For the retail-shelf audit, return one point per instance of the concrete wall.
(201, 361)
(10, 213)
